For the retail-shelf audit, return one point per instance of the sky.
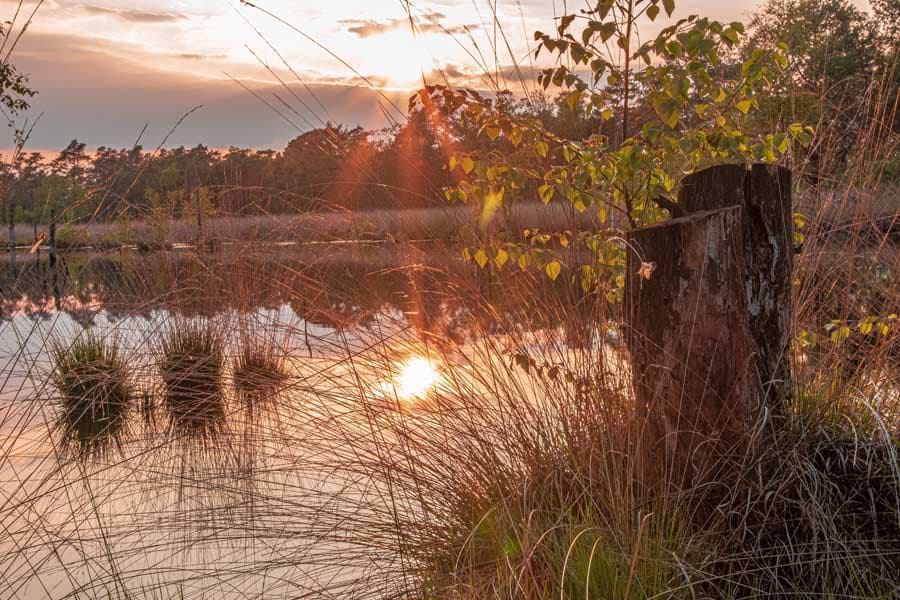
(116, 72)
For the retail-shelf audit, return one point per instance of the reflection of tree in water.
(335, 288)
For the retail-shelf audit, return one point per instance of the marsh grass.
(191, 362)
(260, 366)
(260, 374)
(95, 393)
(815, 512)
(505, 482)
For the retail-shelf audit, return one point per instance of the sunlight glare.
(417, 376)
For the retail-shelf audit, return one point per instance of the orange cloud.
(429, 22)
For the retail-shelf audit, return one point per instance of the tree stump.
(688, 333)
(764, 195)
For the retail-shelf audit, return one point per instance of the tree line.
(842, 79)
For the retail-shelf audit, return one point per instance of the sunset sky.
(105, 68)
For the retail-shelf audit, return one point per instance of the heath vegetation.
(435, 322)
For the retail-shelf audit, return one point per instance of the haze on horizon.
(105, 68)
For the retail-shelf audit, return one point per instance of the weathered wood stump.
(691, 348)
(764, 195)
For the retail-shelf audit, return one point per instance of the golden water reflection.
(412, 379)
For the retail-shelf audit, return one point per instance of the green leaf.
(578, 53)
(546, 192)
(515, 136)
(731, 36)
(586, 35)
(541, 148)
(669, 5)
(467, 164)
(573, 99)
(553, 269)
(524, 261)
(867, 325)
(802, 134)
(668, 110)
(602, 213)
(603, 7)
(492, 204)
(782, 143)
(839, 334)
(652, 11)
(579, 203)
(501, 258)
(744, 106)
(481, 257)
(607, 31)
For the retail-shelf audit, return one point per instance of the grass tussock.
(95, 391)
(815, 512)
(510, 485)
(529, 487)
(191, 363)
(506, 482)
(260, 373)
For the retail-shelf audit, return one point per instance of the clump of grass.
(260, 373)
(191, 362)
(95, 391)
(815, 512)
(147, 407)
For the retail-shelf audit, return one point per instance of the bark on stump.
(764, 195)
(688, 332)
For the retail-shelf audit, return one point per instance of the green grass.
(191, 363)
(95, 393)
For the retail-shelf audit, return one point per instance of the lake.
(368, 333)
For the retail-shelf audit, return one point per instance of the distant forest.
(332, 166)
(843, 82)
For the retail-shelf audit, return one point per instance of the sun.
(401, 58)
(416, 378)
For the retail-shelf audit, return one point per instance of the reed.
(507, 478)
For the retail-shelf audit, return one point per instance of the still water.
(239, 515)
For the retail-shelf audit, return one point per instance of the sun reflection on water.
(414, 379)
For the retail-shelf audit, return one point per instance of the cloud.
(103, 94)
(473, 77)
(132, 15)
(198, 56)
(429, 22)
